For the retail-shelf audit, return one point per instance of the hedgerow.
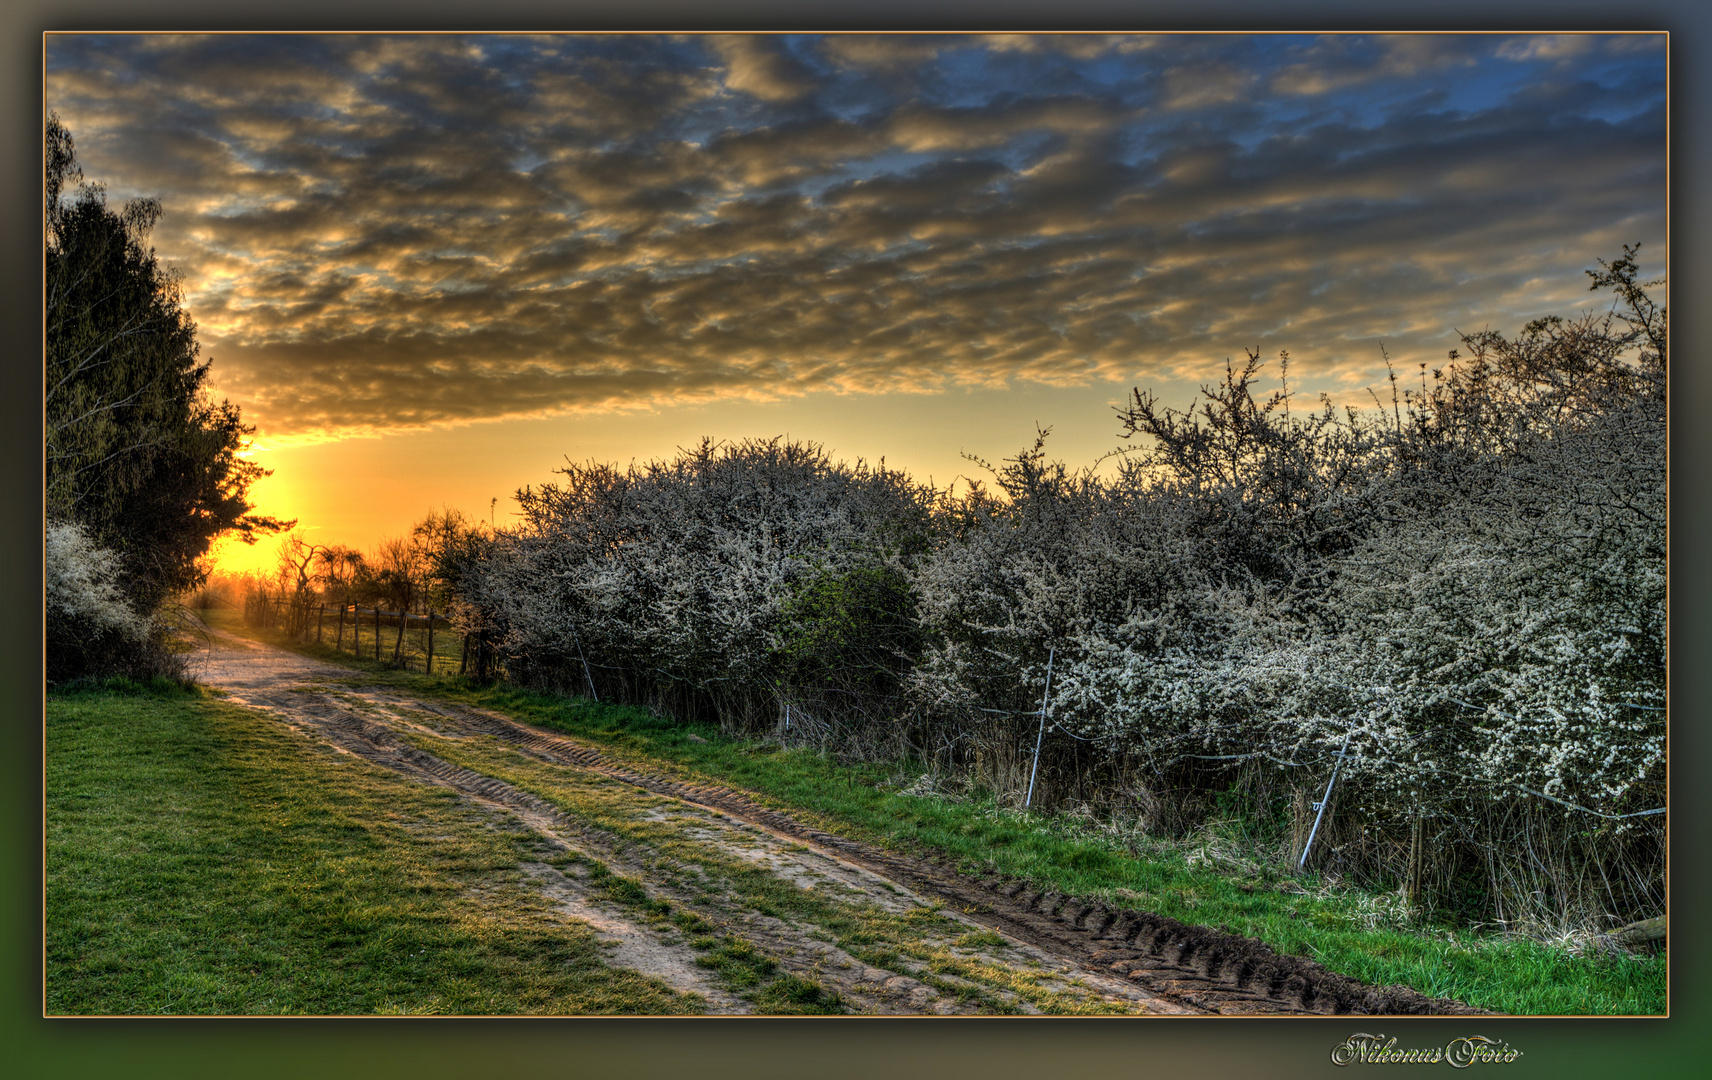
(1460, 589)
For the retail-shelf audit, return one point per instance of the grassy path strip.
(1359, 935)
(203, 861)
(719, 872)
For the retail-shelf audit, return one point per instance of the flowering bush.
(90, 626)
(727, 579)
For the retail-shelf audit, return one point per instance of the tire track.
(1205, 969)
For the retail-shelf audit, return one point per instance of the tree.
(447, 540)
(296, 557)
(138, 455)
(394, 575)
(341, 566)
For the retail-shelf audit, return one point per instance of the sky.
(432, 268)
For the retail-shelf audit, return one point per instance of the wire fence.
(414, 641)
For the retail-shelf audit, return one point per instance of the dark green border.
(887, 1049)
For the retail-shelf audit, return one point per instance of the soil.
(1117, 959)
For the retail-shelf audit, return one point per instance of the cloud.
(923, 129)
(762, 67)
(1207, 85)
(1546, 47)
(887, 52)
(1076, 45)
(406, 231)
(1338, 62)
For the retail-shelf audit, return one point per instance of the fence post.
(398, 646)
(377, 635)
(1413, 888)
(589, 675)
(430, 668)
(464, 660)
(1325, 800)
(1032, 773)
(339, 641)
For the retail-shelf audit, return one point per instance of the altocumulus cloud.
(380, 231)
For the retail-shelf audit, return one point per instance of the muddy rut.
(1077, 955)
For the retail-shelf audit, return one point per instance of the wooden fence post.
(464, 660)
(1416, 861)
(339, 641)
(377, 635)
(430, 667)
(398, 646)
(320, 613)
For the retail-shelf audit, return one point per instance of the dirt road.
(967, 946)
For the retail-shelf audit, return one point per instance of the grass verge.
(203, 861)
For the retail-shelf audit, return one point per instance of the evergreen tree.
(138, 455)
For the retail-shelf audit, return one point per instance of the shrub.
(90, 625)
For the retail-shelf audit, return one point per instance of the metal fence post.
(1039, 738)
(1320, 807)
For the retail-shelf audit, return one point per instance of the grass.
(203, 861)
(733, 959)
(1360, 934)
